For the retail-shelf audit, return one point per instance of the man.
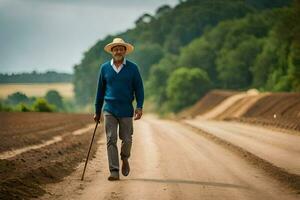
(119, 82)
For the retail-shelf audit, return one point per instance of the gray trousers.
(124, 126)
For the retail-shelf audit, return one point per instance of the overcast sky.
(53, 34)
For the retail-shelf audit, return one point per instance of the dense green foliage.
(42, 105)
(16, 98)
(234, 44)
(185, 86)
(51, 102)
(53, 97)
(35, 77)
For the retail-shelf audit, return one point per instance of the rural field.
(211, 151)
(38, 90)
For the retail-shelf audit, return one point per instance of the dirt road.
(278, 148)
(171, 161)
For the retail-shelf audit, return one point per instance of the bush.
(185, 86)
(5, 108)
(42, 105)
(53, 97)
(16, 98)
(70, 106)
(23, 108)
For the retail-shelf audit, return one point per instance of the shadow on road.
(188, 182)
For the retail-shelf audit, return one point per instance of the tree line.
(36, 77)
(52, 101)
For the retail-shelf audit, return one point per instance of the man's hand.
(138, 114)
(97, 117)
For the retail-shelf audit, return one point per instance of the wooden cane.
(87, 157)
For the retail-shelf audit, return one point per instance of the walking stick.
(87, 157)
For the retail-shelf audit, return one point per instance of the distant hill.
(36, 77)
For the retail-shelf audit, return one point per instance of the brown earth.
(281, 110)
(22, 175)
(169, 160)
(22, 129)
(208, 102)
(240, 106)
(172, 161)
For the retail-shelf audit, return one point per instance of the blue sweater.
(117, 90)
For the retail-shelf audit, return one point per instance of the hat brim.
(129, 47)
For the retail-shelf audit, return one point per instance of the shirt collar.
(112, 62)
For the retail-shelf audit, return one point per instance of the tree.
(264, 63)
(157, 82)
(294, 66)
(5, 108)
(17, 97)
(277, 68)
(144, 19)
(185, 86)
(162, 10)
(233, 65)
(146, 55)
(53, 97)
(261, 4)
(202, 54)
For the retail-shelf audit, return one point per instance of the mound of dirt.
(22, 175)
(275, 109)
(228, 103)
(278, 109)
(208, 102)
(239, 105)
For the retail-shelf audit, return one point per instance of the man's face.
(118, 52)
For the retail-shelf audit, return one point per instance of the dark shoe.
(114, 175)
(125, 167)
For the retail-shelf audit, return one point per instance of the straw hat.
(116, 42)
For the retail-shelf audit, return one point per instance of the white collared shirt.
(120, 67)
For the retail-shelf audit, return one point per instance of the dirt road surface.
(171, 161)
(281, 149)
